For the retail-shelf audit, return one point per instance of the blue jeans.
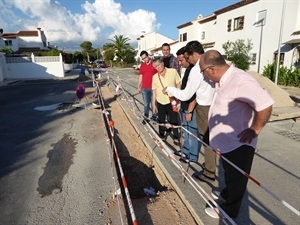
(147, 98)
(191, 146)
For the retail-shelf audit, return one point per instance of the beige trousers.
(209, 155)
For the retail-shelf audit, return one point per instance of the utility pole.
(279, 42)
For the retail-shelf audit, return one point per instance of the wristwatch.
(189, 112)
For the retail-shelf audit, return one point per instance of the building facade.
(25, 41)
(269, 26)
(150, 42)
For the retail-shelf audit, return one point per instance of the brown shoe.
(176, 142)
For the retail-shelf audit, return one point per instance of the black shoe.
(145, 121)
(154, 118)
(205, 178)
(179, 153)
(185, 159)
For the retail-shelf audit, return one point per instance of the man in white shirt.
(204, 89)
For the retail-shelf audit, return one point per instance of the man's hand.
(188, 117)
(247, 135)
(139, 90)
(165, 91)
(260, 119)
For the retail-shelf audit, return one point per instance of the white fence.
(34, 67)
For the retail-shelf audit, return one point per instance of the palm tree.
(120, 46)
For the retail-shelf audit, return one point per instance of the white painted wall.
(271, 30)
(32, 41)
(68, 67)
(151, 41)
(38, 68)
(2, 66)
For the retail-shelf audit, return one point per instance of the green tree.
(108, 52)
(129, 56)
(238, 52)
(88, 51)
(78, 56)
(121, 47)
(6, 50)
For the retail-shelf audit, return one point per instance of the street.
(52, 159)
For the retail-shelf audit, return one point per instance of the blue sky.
(67, 23)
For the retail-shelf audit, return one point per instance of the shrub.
(238, 52)
(286, 76)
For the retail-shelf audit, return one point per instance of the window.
(253, 58)
(281, 60)
(229, 25)
(203, 35)
(8, 43)
(238, 23)
(183, 37)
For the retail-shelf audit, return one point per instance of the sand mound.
(280, 96)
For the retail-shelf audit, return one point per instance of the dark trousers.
(235, 181)
(164, 110)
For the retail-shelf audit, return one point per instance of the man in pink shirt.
(239, 111)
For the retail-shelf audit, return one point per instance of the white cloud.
(62, 26)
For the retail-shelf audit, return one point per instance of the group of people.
(221, 104)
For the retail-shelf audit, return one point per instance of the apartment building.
(151, 41)
(269, 25)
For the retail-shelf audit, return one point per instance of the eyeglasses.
(143, 59)
(187, 57)
(208, 67)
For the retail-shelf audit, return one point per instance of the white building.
(151, 41)
(268, 24)
(25, 40)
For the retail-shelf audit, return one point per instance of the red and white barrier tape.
(111, 128)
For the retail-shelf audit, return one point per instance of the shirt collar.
(225, 76)
(150, 61)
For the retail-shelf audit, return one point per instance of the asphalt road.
(276, 166)
(55, 166)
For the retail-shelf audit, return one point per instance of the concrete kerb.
(162, 167)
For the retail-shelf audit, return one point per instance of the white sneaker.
(217, 196)
(212, 213)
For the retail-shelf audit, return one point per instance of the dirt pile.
(280, 96)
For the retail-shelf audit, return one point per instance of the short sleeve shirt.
(147, 71)
(237, 97)
(170, 79)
